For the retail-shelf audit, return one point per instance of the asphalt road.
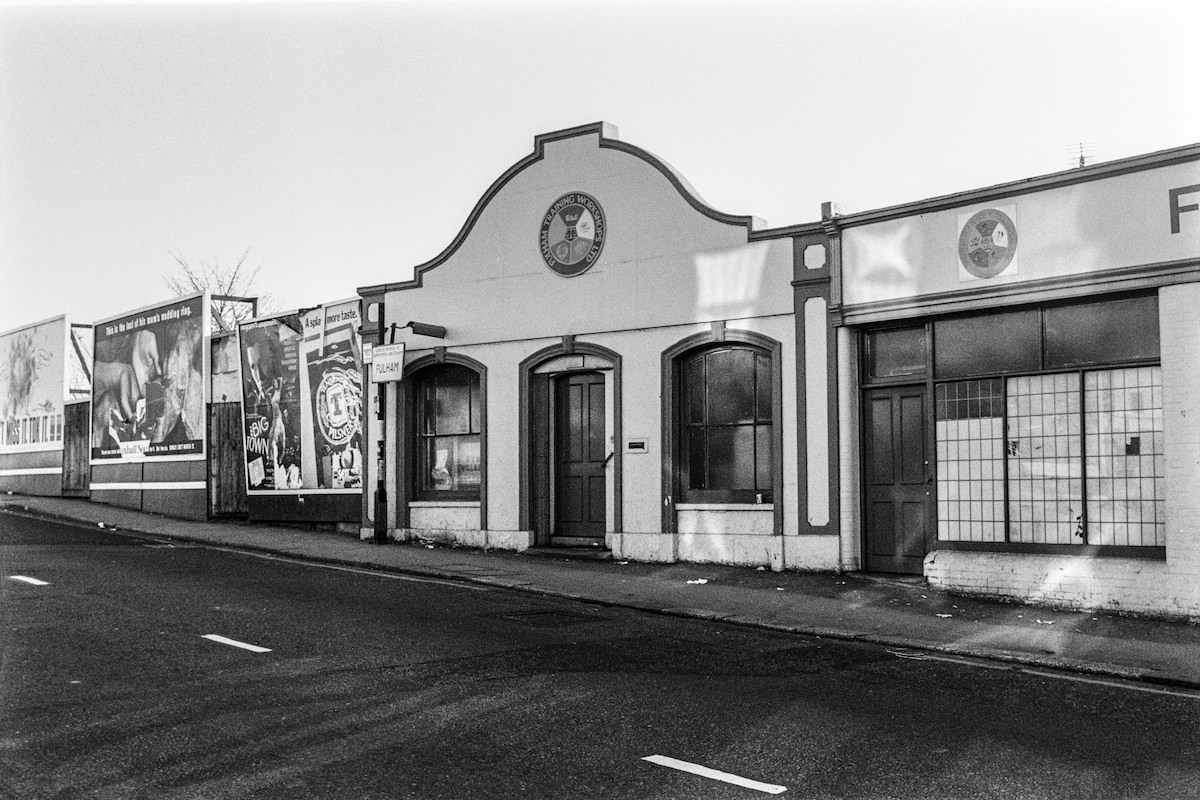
(383, 686)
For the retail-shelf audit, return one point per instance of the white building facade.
(1026, 361)
(997, 390)
(618, 369)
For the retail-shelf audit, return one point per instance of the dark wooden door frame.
(533, 389)
(593, 456)
(928, 479)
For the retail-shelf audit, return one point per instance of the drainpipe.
(381, 464)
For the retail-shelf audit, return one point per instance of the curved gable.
(607, 140)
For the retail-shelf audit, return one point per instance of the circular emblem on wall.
(572, 234)
(337, 409)
(987, 243)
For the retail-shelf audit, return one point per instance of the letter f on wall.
(1177, 209)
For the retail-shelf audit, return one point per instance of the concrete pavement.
(906, 615)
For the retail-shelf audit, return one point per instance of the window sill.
(1149, 552)
(443, 504)
(724, 506)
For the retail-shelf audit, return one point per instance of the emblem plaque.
(572, 234)
(987, 243)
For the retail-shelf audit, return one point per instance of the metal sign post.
(381, 468)
(387, 366)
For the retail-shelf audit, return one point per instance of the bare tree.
(231, 288)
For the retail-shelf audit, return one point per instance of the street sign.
(387, 363)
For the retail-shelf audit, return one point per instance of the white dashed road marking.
(253, 648)
(706, 772)
(30, 581)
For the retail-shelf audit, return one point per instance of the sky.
(342, 144)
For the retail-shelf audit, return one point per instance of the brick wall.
(1128, 585)
(1180, 334)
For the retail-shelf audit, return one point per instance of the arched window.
(448, 423)
(726, 424)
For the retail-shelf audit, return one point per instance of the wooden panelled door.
(579, 459)
(898, 479)
(226, 461)
(77, 449)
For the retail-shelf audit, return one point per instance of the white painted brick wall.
(1180, 332)
(1128, 585)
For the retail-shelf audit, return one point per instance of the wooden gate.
(226, 461)
(77, 449)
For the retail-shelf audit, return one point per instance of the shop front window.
(1070, 453)
(726, 424)
(1125, 465)
(900, 352)
(1045, 471)
(449, 425)
(1079, 466)
(970, 459)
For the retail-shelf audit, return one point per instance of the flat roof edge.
(1106, 169)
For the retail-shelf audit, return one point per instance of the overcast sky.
(345, 143)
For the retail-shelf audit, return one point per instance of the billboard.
(335, 389)
(32, 386)
(270, 360)
(302, 400)
(148, 383)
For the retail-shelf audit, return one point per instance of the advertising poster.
(32, 372)
(335, 385)
(301, 384)
(148, 383)
(271, 402)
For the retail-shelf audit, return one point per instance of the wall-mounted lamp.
(425, 329)
(419, 328)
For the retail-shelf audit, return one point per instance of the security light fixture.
(425, 329)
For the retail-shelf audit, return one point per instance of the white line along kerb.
(253, 648)
(706, 772)
(30, 581)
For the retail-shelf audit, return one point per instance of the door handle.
(610, 457)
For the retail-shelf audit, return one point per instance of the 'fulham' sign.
(387, 363)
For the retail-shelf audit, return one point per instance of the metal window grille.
(1068, 458)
